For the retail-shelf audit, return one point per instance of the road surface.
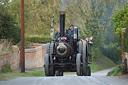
(97, 78)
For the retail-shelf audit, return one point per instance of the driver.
(70, 30)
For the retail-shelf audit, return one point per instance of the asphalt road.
(97, 78)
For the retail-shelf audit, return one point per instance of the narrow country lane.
(97, 78)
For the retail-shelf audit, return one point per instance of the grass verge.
(116, 71)
(94, 68)
(6, 76)
(101, 63)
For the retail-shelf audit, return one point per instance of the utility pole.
(124, 60)
(122, 36)
(22, 55)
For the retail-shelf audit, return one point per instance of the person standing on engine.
(91, 40)
(57, 34)
(70, 31)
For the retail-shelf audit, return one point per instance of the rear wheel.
(84, 60)
(46, 61)
(80, 47)
(78, 65)
(89, 71)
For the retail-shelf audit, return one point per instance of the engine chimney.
(62, 23)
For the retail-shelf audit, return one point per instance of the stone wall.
(126, 56)
(34, 57)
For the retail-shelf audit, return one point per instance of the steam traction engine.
(67, 53)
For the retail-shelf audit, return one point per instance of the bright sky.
(10, 0)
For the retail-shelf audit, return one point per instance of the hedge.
(38, 38)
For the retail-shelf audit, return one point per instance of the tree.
(38, 15)
(4, 2)
(93, 18)
(9, 29)
(120, 19)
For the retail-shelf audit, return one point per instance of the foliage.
(38, 39)
(38, 15)
(5, 45)
(35, 39)
(116, 71)
(93, 19)
(9, 29)
(100, 60)
(27, 43)
(4, 2)
(120, 19)
(112, 51)
(94, 68)
(6, 68)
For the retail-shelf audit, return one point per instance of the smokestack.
(62, 23)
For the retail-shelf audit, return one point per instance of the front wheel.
(52, 72)
(59, 73)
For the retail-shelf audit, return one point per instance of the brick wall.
(5, 58)
(34, 57)
(11, 58)
(34, 45)
(30, 58)
(15, 60)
